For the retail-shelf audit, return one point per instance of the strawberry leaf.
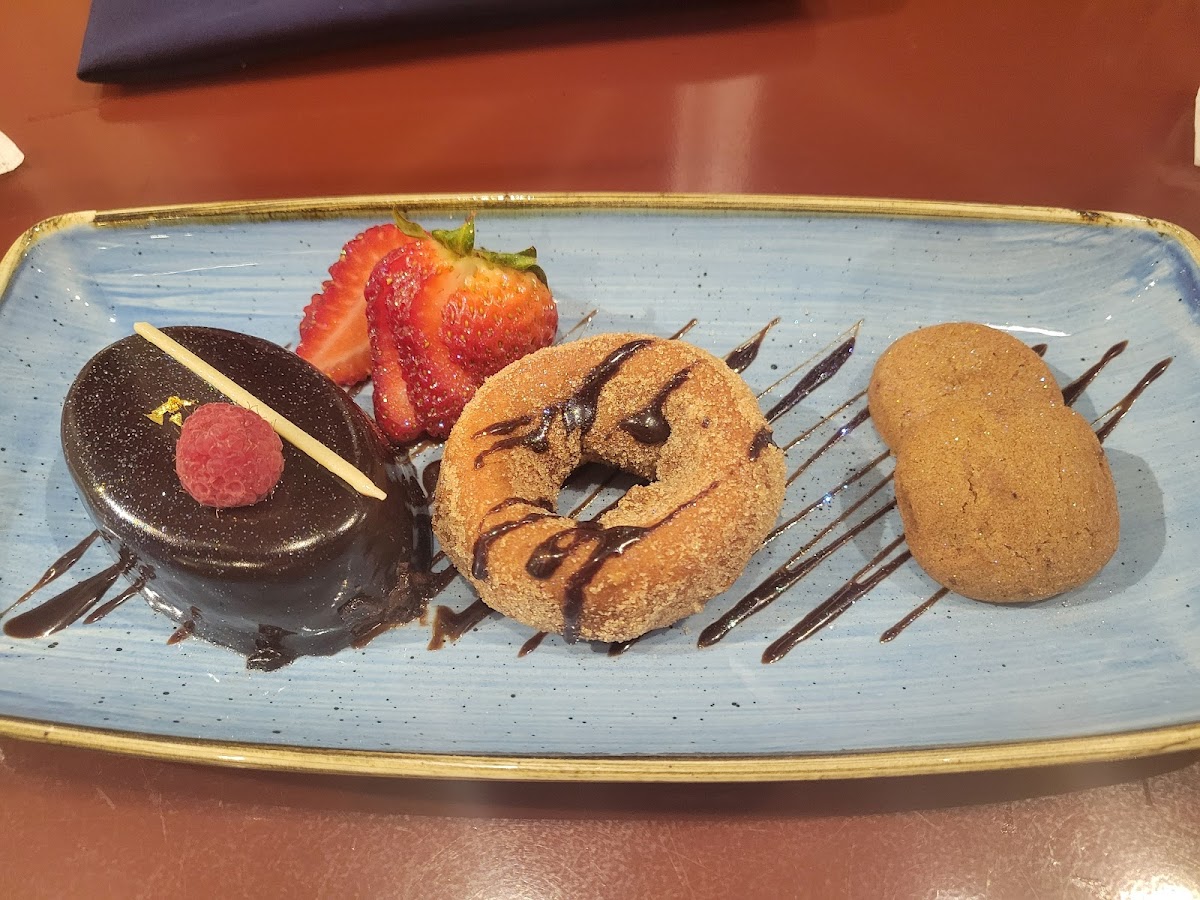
(461, 240)
(408, 227)
(525, 261)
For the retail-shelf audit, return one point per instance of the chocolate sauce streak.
(1072, 391)
(892, 633)
(853, 478)
(183, 632)
(60, 565)
(837, 436)
(593, 494)
(649, 424)
(532, 644)
(607, 542)
(408, 599)
(762, 440)
(741, 356)
(483, 543)
(813, 379)
(581, 324)
(796, 567)
(109, 605)
(684, 330)
(616, 648)
(449, 625)
(429, 478)
(1040, 349)
(826, 419)
(551, 553)
(63, 609)
(578, 411)
(1123, 405)
(838, 602)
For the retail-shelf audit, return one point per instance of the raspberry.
(228, 456)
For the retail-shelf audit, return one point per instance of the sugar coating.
(715, 503)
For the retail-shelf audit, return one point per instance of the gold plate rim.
(804, 767)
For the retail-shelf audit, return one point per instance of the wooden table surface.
(1077, 104)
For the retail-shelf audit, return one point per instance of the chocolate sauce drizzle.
(850, 479)
(532, 644)
(839, 601)
(483, 544)
(606, 543)
(741, 356)
(616, 648)
(429, 477)
(649, 424)
(578, 411)
(1072, 391)
(109, 605)
(1116, 413)
(857, 420)
(551, 553)
(796, 567)
(67, 607)
(763, 439)
(688, 326)
(187, 629)
(57, 568)
(449, 625)
(892, 633)
(406, 601)
(827, 418)
(814, 378)
(578, 326)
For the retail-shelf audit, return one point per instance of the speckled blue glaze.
(1121, 653)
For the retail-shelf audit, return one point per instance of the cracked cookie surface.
(1008, 504)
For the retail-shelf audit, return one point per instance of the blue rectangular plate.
(1110, 670)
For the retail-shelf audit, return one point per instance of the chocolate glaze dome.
(313, 568)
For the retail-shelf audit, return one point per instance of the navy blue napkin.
(135, 40)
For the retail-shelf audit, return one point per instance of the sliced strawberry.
(394, 412)
(437, 385)
(333, 333)
(461, 316)
(497, 316)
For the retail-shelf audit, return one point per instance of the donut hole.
(592, 488)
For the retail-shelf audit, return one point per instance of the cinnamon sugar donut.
(661, 409)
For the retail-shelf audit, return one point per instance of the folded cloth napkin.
(136, 40)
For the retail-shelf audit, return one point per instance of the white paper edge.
(11, 155)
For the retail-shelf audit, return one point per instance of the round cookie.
(956, 360)
(1009, 504)
(661, 409)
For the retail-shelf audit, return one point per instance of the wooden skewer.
(289, 431)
